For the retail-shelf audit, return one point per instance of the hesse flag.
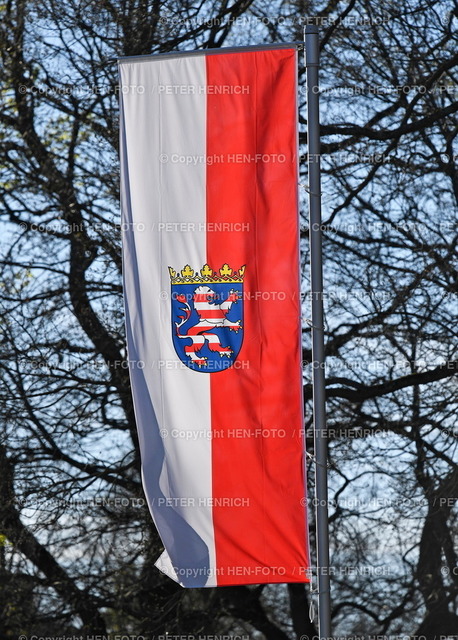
(211, 279)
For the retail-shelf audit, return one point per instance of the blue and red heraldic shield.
(207, 316)
(209, 177)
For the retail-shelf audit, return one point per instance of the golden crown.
(207, 275)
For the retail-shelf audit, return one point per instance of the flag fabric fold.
(209, 204)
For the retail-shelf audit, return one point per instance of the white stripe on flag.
(168, 132)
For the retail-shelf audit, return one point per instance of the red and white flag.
(209, 181)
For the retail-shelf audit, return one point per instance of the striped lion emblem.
(207, 313)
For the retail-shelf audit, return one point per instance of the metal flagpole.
(319, 414)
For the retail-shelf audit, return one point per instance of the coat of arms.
(207, 316)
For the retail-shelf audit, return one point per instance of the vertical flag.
(209, 178)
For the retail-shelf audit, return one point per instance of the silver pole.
(316, 262)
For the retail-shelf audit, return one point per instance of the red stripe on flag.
(263, 538)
